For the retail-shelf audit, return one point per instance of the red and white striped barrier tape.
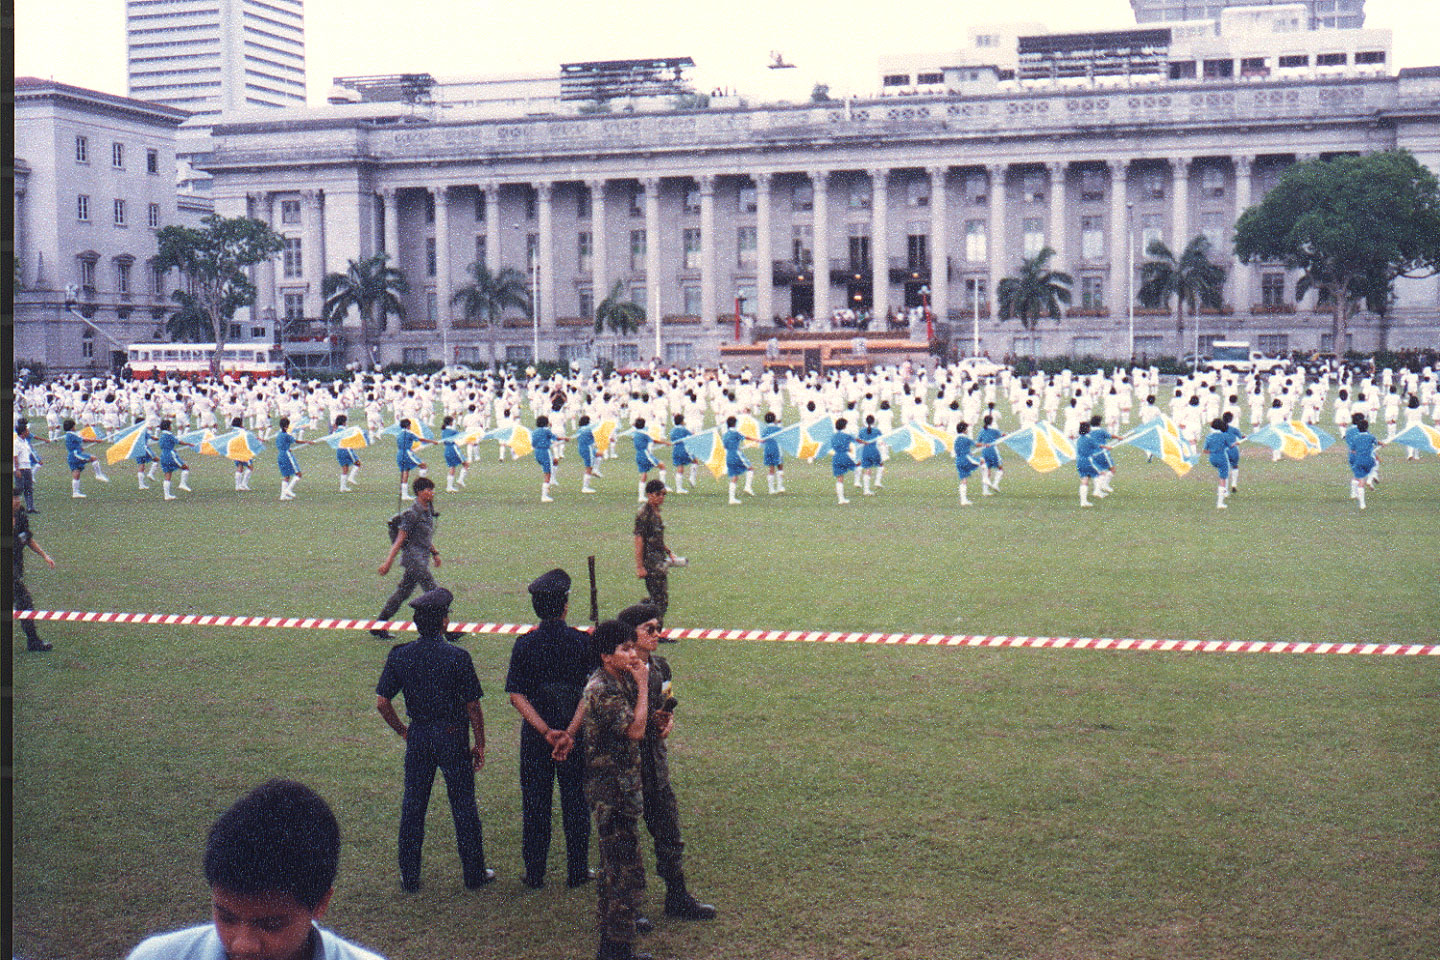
(801, 636)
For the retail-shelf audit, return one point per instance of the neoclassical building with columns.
(774, 211)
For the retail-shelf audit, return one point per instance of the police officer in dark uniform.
(548, 669)
(442, 699)
(20, 596)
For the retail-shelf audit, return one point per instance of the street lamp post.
(534, 307)
(925, 305)
(1130, 272)
(975, 321)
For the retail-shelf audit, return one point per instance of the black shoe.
(534, 883)
(580, 879)
(39, 646)
(409, 886)
(454, 636)
(616, 950)
(382, 634)
(644, 925)
(487, 877)
(32, 510)
(681, 903)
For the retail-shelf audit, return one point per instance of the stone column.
(821, 239)
(312, 264)
(764, 265)
(263, 209)
(544, 194)
(1242, 295)
(707, 249)
(652, 255)
(443, 308)
(880, 245)
(1121, 266)
(390, 204)
(599, 254)
(1180, 203)
(493, 224)
(1057, 214)
(939, 245)
(998, 262)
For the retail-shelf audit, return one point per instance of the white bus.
(191, 361)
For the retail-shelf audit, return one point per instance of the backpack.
(392, 526)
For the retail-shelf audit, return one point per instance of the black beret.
(433, 601)
(554, 583)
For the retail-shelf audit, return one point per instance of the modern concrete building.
(213, 56)
(924, 200)
(1319, 14)
(95, 180)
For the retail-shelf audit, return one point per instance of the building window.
(122, 278)
(896, 80)
(637, 251)
(429, 207)
(119, 208)
(480, 203)
(117, 156)
(234, 331)
(1152, 230)
(1092, 293)
(1218, 69)
(860, 191)
(1330, 59)
(917, 193)
(157, 281)
(1327, 342)
(637, 294)
(1032, 229)
(976, 241)
(917, 252)
(627, 353)
(977, 188)
(82, 149)
(582, 202)
(431, 262)
(152, 161)
(802, 198)
(1154, 186)
(467, 354)
(692, 200)
(1212, 227)
(1092, 238)
(414, 356)
(294, 304)
(1273, 344)
(802, 241)
(87, 344)
(975, 294)
(680, 354)
(532, 197)
(87, 274)
(432, 306)
(586, 298)
(745, 293)
(1272, 289)
(1092, 186)
(637, 200)
(584, 251)
(1212, 183)
(1369, 56)
(290, 211)
(1148, 345)
(691, 297)
(292, 263)
(859, 248)
(1035, 187)
(746, 199)
(574, 352)
(690, 244)
(82, 208)
(1182, 70)
(745, 238)
(153, 216)
(1295, 60)
(480, 249)
(1254, 67)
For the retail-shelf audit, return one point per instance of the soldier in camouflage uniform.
(662, 813)
(617, 710)
(651, 554)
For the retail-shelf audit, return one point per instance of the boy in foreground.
(270, 862)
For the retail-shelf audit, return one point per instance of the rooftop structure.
(1319, 14)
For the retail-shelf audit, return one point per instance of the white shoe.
(144, 486)
(842, 501)
(186, 489)
(986, 492)
(78, 496)
(734, 502)
(587, 490)
(547, 499)
(101, 478)
(171, 496)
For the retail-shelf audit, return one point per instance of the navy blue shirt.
(549, 667)
(437, 678)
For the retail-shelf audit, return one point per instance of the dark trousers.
(621, 884)
(657, 585)
(538, 774)
(662, 819)
(447, 746)
(21, 600)
(25, 486)
(413, 577)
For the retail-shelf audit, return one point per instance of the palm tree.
(487, 295)
(617, 312)
(1035, 291)
(1192, 279)
(366, 285)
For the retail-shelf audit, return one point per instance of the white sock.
(840, 490)
(140, 479)
(463, 472)
(865, 484)
(770, 482)
(679, 481)
(239, 481)
(184, 479)
(964, 493)
(75, 488)
(1220, 496)
(662, 478)
(879, 476)
(780, 480)
(168, 494)
(732, 491)
(640, 489)
(1084, 494)
(750, 482)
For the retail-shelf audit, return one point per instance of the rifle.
(594, 593)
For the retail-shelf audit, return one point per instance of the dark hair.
(69, 425)
(770, 417)
(284, 423)
(731, 421)
(280, 837)
(165, 424)
(542, 422)
(341, 420)
(609, 635)
(405, 423)
(655, 486)
(840, 424)
(639, 423)
(642, 612)
(422, 483)
(585, 420)
(1217, 424)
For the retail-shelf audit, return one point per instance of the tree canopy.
(1351, 225)
(618, 312)
(365, 285)
(213, 259)
(487, 295)
(1034, 291)
(1192, 279)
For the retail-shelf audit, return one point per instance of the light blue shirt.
(203, 943)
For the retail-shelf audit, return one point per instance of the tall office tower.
(1339, 14)
(209, 56)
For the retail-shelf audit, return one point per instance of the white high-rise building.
(214, 56)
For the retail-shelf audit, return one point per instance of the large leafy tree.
(488, 295)
(1351, 225)
(372, 287)
(1034, 291)
(1191, 280)
(618, 312)
(212, 260)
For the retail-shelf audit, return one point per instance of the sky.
(838, 42)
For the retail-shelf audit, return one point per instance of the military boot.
(680, 902)
(619, 950)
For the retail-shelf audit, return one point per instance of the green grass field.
(839, 801)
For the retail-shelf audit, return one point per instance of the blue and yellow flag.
(749, 428)
(239, 445)
(1420, 437)
(806, 441)
(419, 429)
(1158, 441)
(920, 440)
(1316, 439)
(126, 445)
(88, 432)
(1279, 436)
(605, 435)
(347, 438)
(1042, 446)
(707, 449)
(516, 437)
